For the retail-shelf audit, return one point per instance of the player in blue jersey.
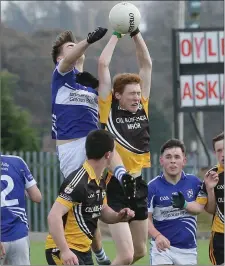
(16, 181)
(74, 106)
(173, 231)
(75, 110)
(211, 198)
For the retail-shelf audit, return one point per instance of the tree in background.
(17, 133)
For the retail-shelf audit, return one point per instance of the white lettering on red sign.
(201, 47)
(202, 90)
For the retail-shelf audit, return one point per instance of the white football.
(124, 17)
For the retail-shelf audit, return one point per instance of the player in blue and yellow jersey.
(173, 230)
(16, 181)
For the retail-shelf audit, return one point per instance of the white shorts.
(17, 252)
(71, 156)
(173, 256)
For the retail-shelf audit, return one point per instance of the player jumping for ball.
(124, 112)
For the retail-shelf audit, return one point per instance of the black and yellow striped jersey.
(131, 131)
(218, 218)
(84, 195)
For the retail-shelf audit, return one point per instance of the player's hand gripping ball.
(124, 17)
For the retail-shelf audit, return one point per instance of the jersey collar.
(89, 170)
(183, 176)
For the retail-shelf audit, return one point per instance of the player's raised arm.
(77, 50)
(80, 63)
(144, 62)
(68, 62)
(104, 76)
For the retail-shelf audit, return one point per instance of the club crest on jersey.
(69, 189)
(190, 193)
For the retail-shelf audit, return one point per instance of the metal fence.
(45, 169)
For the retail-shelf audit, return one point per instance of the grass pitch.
(38, 253)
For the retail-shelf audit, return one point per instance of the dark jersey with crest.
(131, 131)
(83, 194)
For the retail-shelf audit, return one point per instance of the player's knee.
(126, 258)
(140, 252)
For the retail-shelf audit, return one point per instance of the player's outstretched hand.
(129, 185)
(96, 35)
(69, 258)
(178, 200)
(162, 243)
(119, 35)
(211, 179)
(125, 215)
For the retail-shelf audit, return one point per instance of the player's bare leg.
(98, 250)
(122, 238)
(139, 231)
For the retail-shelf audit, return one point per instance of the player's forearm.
(142, 52)
(116, 161)
(76, 52)
(106, 55)
(108, 215)
(194, 207)
(210, 207)
(56, 230)
(34, 194)
(152, 231)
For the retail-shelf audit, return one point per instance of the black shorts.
(216, 248)
(117, 200)
(53, 257)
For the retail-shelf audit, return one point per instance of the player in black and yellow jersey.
(74, 215)
(124, 112)
(215, 202)
(211, 198)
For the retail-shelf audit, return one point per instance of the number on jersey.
(5, 192)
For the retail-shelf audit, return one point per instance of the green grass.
(204, 222)
(38, 253)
